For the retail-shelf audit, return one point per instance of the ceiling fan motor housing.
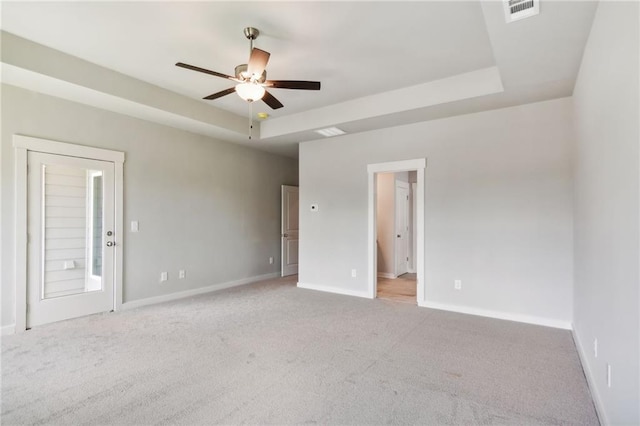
(242, 74)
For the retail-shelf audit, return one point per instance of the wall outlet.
(164, 276)
(595, 347)
(457, 284)
(182, 273)
(354, 273)
(135, 226)
(271, 261)
(608, 375)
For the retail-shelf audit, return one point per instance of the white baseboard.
(597, 401)
(196, 291)
(547, 322)
(8, 329)
(336, 290)
(387, 275)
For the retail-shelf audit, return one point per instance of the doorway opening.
(395, 236)
(396, 230)
(289, 231)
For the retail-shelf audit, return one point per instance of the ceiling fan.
(251, 78)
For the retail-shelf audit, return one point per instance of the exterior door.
(402, 228)
(70, 227)
(289, 253)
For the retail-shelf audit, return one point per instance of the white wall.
(606, 211)
(210, 207)
(498, 211)
(385, 225)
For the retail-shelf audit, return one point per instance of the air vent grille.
(518, 9)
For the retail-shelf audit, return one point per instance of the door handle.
(285, 235)
(399, 236)
(111, 243)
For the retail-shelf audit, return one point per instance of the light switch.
(134, 226)
(314, 207)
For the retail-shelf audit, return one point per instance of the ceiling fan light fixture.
(250, 91)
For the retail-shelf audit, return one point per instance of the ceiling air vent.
(520, 9)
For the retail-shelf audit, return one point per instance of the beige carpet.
(271, 353)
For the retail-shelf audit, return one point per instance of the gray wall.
(210, 207)
(498, 208)
(606, 210)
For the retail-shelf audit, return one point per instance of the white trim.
(70, 150)
(336, 290)
(388, 275)
(372, 252)
(119, 233)
(196, 291)
(418, 165)
(597, 400)
(547, 322)
(421, 294)
(20, 250)
(397, 166)
(22, 145)
(8, 329)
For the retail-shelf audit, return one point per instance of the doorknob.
(399, 236)
(110, 243)
(285, 235)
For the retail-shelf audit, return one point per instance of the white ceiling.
(356, 49)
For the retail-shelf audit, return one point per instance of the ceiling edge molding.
(35, 67)
(463, 86)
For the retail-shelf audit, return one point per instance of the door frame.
(419, 166)
(22, 144)
(414, 227)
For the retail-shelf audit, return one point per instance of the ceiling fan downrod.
(252, 34)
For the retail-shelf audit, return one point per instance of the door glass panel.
(96, 224)
(72, 229)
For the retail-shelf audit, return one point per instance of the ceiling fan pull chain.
(250, 121)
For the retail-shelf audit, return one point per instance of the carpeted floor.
(270, 353)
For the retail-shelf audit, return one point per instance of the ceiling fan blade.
(270, 100)
(257, 62)
(220, 94)
(293, 84)
(206, 71)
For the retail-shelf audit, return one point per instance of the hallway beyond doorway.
(401, 289)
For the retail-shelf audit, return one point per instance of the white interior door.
(71, 243)
(289, 253)
(402, 228)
